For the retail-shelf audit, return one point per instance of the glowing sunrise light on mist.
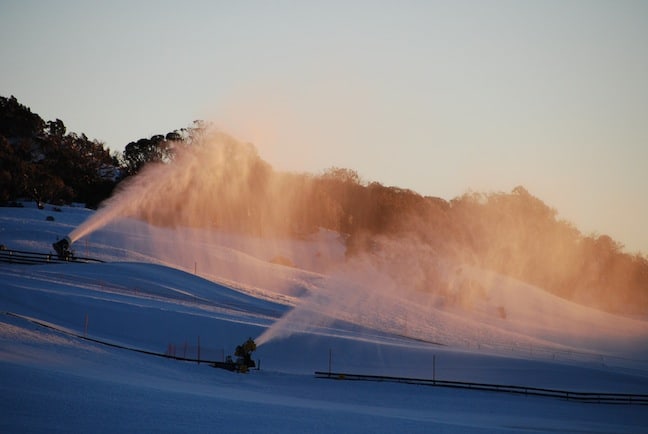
(493, 258)
(439, 97)
(449, 193)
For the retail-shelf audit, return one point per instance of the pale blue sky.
(437, 96)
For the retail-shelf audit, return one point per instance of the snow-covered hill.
(177, 290)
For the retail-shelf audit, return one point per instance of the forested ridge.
(41, 161)
(512, 233)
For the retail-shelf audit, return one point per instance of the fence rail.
(34, 258)
(73, 334)
(589, 397)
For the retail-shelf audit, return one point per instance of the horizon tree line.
(514, 233)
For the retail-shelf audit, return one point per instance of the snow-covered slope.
(174, 291)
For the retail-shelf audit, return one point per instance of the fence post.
(329, 365)
(434, 368)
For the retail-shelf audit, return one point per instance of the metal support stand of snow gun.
(62, 248)
(243, 361)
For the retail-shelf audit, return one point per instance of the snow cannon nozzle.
(62, 248)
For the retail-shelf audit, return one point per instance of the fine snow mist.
(220, 211)
(216, 182)
(215, 192)
(403, 288)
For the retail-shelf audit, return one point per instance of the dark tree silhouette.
(41, 161)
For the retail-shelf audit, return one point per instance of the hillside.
(170, 290)
(201, 178)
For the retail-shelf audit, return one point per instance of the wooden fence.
(33, 258)
(590, 397)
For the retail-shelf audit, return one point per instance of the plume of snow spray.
(187, 192)
(402, 287)
(405, 289)
(212, 189)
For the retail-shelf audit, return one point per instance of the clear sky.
(438, 96)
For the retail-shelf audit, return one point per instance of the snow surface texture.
(174, 291)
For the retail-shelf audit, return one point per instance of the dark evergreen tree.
(41, 161)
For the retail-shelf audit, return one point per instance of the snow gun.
(62, 248)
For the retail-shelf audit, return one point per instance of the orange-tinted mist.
(216, 183)
(479, 271)
(405, 288)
